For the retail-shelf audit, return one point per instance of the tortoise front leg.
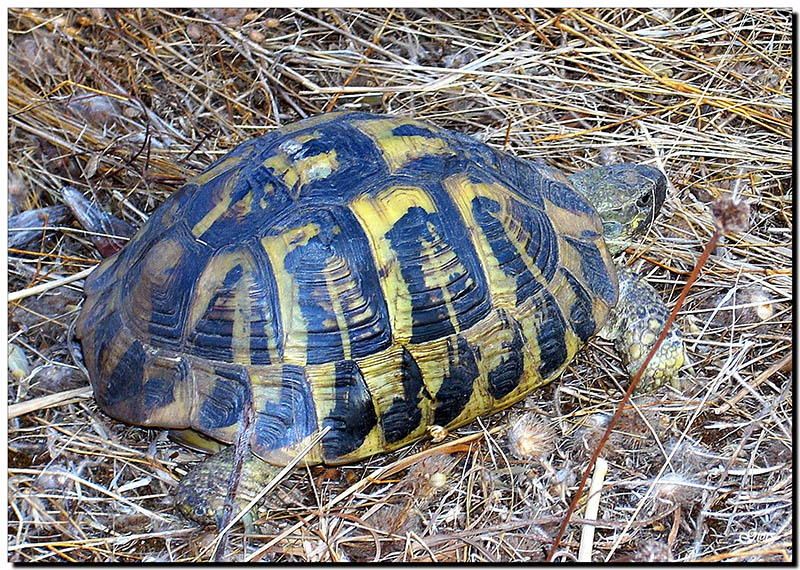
(201, 494)
(635, 324)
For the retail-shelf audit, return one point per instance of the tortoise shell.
(372, 274)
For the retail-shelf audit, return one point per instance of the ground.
(125, 105)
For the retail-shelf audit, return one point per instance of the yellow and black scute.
(372, 274)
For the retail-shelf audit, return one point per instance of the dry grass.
(125, 105)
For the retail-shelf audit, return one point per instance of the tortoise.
(370, 274)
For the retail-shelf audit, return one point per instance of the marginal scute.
(353, 415)
(124, 382)
(458, 383)
(224, 392)
(404, 415)
(507, 375)
(284, 410)
(594, 269)
(103, 335)
(580, 309)
(166, 389)
(558, 193)
(157, 392)
(551, 330)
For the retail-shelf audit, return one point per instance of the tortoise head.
(626, 196)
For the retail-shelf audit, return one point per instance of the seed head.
(731, 216)
(675, 489)
(530, 437)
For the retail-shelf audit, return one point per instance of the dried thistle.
(677, 490)
(651, 551)
(530, 437)
(730, 215)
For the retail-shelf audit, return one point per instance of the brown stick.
(685, 291)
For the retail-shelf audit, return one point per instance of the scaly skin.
(626, 196)
(201, 493)
(635, 324)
